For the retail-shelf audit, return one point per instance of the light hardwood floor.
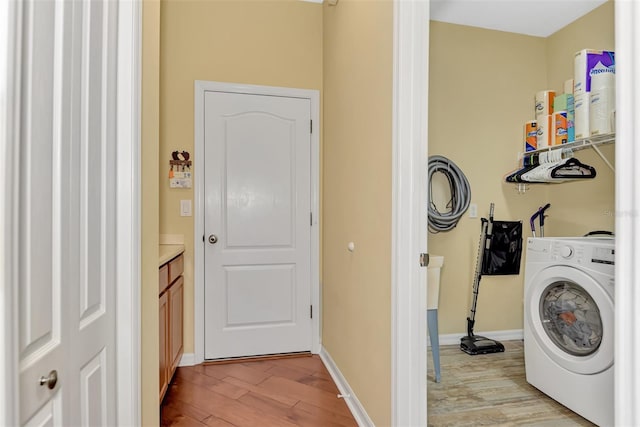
(490, 390)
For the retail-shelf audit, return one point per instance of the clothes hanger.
(529, 162)
(549, 161)
(573, 168)
(541, 172)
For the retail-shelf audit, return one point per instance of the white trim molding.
(200, 88)
(346, 393)
(188, 359)
(128, 234)
(10, 48)
(409, 216)
(627, 298)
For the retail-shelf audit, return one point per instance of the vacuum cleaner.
(541, 216)
(499, 253)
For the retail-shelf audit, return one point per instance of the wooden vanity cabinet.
(171, 303)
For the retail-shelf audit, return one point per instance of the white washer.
(568, 323)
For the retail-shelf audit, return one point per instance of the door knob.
(213, 239)
(51, 380)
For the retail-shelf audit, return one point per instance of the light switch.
(185, 207)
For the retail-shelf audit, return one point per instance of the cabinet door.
(164, 359)
(176, 268)
(176, 296)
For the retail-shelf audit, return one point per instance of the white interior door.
(257, 203)
(66, 252)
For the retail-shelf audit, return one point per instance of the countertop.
(169, 252)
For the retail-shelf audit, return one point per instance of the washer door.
(571, 317)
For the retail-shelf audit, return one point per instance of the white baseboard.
(350, 398)
(512, 334)
(188, 359)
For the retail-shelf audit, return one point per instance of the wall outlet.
(473, 210)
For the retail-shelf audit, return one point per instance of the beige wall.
(358, 65)
(481, 90)
(580, 207)
(274, 43)
(498, 74)
(149, 185)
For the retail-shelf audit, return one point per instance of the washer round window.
(571, 318)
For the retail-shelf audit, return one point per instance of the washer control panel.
(583, 254)
(581, 251)
(603, 255)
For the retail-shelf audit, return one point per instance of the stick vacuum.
(476, 344)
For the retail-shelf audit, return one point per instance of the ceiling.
(531, 17)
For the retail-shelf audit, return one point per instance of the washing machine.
(569, 323)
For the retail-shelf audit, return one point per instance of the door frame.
(10, 30)
(409, 212)
(202, 86)
(127, 211)
(408, 381)
(627, 294)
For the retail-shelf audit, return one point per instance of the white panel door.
(257, 224)
(66, 215)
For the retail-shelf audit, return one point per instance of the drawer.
(176, 267)
(163, 280)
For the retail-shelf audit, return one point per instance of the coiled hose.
(460, 195)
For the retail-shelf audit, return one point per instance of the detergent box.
(589, 62)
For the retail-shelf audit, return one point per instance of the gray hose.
(460, 195)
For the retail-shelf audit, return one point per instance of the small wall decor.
(180, 170)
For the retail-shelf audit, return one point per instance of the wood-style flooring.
(483, 390)
(279, 392)
(490, 390)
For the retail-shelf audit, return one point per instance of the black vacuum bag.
(504, 249)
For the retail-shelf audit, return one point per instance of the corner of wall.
(150, 214)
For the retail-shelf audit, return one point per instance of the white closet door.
(66, 213)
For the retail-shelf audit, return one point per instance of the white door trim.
(627, 298)
(314, 96)
(128, 382)
(409, 221)
(10, 30)
(128, 211)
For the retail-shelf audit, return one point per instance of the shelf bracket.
(604, 159)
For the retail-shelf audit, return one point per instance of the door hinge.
(310, 126)
(310, 218)
(203, 238)
(424, 260)
(311, 311)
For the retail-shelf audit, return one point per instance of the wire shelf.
(578, 144)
